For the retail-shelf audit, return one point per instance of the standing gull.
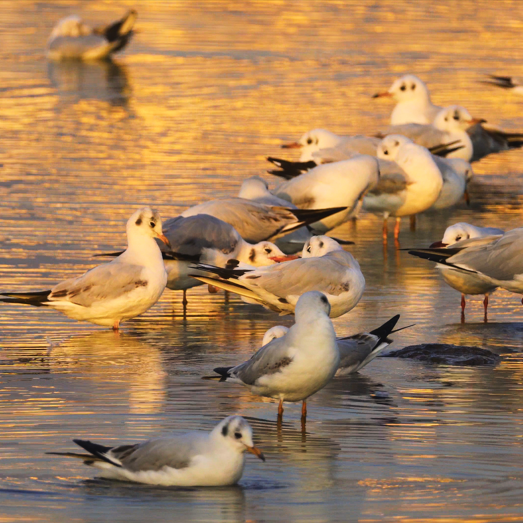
(324, 267)
(72, 39)
(195, 459)
(466, 282)
(297, 365)
(113, 292)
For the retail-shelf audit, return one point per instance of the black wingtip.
(96, 450)
(384, 330)
(223, 372)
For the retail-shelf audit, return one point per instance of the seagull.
(409, 192)
(195, 459)
(413, 103)
(297, 365)
(510, 83)
(113, 292)
(356, 351)
(258, 222)
(317, 139)
(456, 174)
(324, 267)
(465, 281)
(339, 184)
(72, 39)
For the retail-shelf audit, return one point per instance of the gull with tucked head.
(195, 459)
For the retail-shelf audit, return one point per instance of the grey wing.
(294, 278)
(75, 47)
(193, 234)
(486, 141)
(169, 451)
(270, 359)
(426, 135)
(105, 282)
(275, 201)
(393, 179)
(355, 349)
(501, 259)
(360, 144)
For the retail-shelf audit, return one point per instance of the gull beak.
(475, 121)
(438, 245)
(293, 145)
(164, 240)
(257, 452)
(384, 94)
(467, 197)
(279, 259)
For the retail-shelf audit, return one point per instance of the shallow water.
(205, 91)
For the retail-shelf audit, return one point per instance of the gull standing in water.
(113, 292)
(195, 459)
(465, 281)
(356, 351)
(297, 365)
(415, 189)
(72, 39)
(324, 267)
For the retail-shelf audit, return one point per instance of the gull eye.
(403, 87)
(268, 251)
(309, 248)
(385, 151)
(238, 435)
(309, 141)
(152, 224)
(413, 86)
(456, 116)
(458, 238)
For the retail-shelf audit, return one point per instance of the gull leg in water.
(304, 410)
(116, 326)
(385, 228)
(184, 299)
(412, 222)
(280, 409)
(463, 304)
(397, 228)
(485, 306)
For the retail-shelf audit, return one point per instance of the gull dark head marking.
(252, 255)
(225, 430)
(324, 300)
(139, 220)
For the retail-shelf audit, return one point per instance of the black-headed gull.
(195, 459)
(409, 192)
(339, 184)
(297, 365)
(356, 351)
(72, 39)
(465, 282)
(413, 103)
(324, 267)
(113, 292)
(258, 222)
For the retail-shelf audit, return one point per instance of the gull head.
(458, 232)
(70, 26)
(275, 332)
(313, 141)
(146, 222)
(320, 245)
(266, 253)
(311, 302)
(455, 118)
(254, 187)
(408, 88)
(390, 145)
(462, 167)
(236, 433)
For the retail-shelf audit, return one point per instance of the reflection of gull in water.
(192, 459)
(126, 362)
(106, 80)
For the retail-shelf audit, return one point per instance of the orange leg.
(280, 409)
(116, 326)
(304, 409)
(385, 230)
(413, 222)
(485, 306)
(397, 228)
(467, 197)
(184, 300)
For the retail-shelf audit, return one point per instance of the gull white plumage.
(297, 365)
(113, 292)
(324, 267)
(340, 184)
(408, 193)
(195, 459)
(466, 282)
(72, 39)
(356, 351)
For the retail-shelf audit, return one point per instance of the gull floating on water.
(297, 365)
(409, 192)
(356, 351)
(466, 282)
(195, 459)
(113, 292)
(324, 267)
(72, 39)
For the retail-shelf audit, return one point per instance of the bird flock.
(270, 247)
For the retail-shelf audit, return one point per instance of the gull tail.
(222, 272)
(289, 170)
(228, 285)
(308, 216)
(119, 33)
(386, 329)
(96, 450)
(505, 82)
(37, 299)
(445, 149)
(439, 256)
(223, 373)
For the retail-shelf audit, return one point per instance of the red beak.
(475, 121)
(293, 145)
(384, 94)
(438, 245)
(279, 259)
